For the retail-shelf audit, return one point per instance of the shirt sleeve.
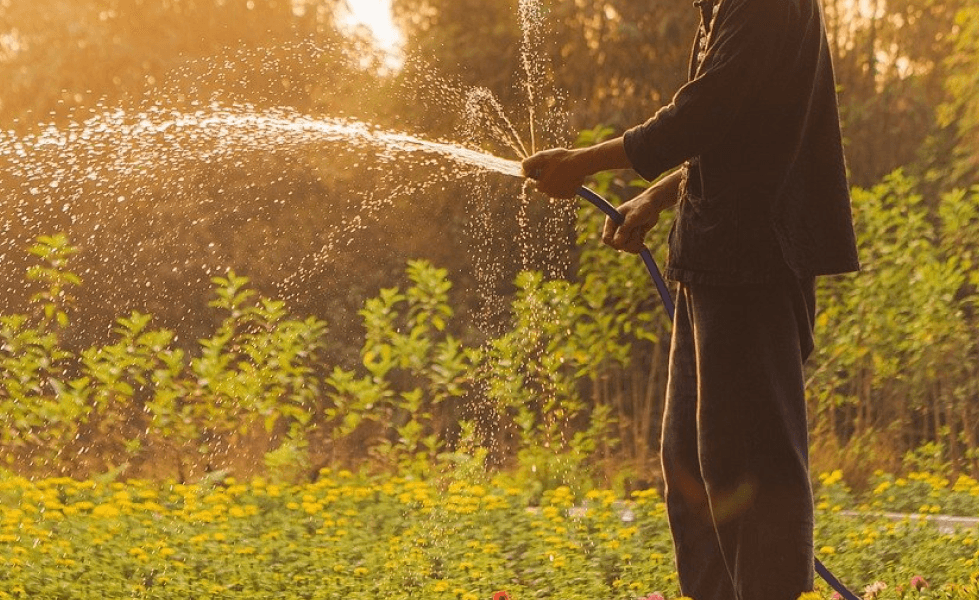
(741, 50)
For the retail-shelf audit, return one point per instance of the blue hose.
(664, 294)
(647, 257)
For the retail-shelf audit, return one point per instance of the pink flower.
(873, 589)
(918, 582)
(654, 596)
(870, 592)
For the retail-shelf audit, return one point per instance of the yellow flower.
(551, 512)
(105, 510)
(832, 477)
(647, 494)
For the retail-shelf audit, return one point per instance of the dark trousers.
(735, 441)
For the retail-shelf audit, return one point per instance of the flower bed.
(354, 537)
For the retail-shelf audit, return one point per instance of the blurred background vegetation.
(894, 384)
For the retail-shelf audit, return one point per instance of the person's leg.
(700, 565)
(752, 437)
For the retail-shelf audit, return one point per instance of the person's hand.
(641, 214)
(557, 172)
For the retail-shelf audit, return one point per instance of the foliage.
(139, 396)
(415, 370)
(891, 63)
(555, 395)
(549, 393)
(401, 537)
(960, 110)
(617, 62)
(896, 343)
(37, 409)
(64, 55)
(585, 61)
(911, 530)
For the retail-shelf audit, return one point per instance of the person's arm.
(749, 38)
(642, 213)
(746, 40)
(559, 172)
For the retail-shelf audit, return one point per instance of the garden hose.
(604, 206)
(664, 294)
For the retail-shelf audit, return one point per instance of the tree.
(61, 56)
(889, 60)
(959, 114)
(593, 62)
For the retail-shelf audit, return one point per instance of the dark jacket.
(757, 129)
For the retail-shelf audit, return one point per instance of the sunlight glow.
(376, 16)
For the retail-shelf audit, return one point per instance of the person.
(749, 151)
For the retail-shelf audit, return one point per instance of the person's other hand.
(641, 214)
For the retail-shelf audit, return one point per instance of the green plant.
(121, 392)
(896, 343)
(415, 373)
(38, 412)
(258, 368)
